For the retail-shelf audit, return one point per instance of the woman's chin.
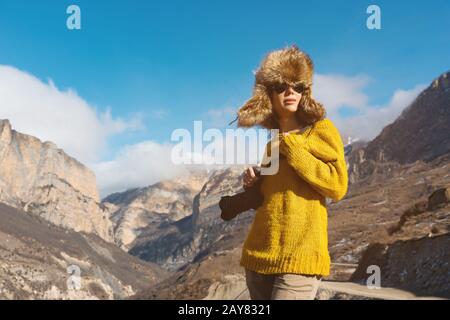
(290, 107)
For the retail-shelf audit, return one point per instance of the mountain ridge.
(43, 180)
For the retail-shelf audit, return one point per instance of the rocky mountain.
(41, 179)
(39, 260)
(146, 210)
(417, 257)
(421, 132)
(179, 243)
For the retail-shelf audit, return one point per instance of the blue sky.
(171, 62)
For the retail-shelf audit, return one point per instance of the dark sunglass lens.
(280, 87)
(299, 88)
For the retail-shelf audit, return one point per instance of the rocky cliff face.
(421, 132)
(41, 179)
(178, 243)
(417, 265)
(146, 210)
(39, 260)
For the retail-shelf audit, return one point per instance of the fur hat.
(290, 65)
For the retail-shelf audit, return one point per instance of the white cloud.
(369, 123)
(63, 117)
(136, 165)
(219, 117)
(159, 114)
(337, 91)
(148, 162)
(42, 110)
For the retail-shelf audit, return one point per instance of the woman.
(286, 251)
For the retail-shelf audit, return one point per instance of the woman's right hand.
(249, 177)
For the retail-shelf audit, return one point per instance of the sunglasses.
(281, 87)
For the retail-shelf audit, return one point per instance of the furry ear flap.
(256, 110)
(309, 110)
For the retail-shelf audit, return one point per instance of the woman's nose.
(289, 90)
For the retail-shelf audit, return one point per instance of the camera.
(251, 198)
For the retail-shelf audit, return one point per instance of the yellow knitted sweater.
(289, 230)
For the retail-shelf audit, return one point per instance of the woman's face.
(285, 103)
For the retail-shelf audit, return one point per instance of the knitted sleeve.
(320, 161)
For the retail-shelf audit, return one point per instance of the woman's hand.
(249, 177)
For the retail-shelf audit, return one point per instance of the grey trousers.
(281, 286)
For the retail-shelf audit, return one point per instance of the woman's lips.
(289, 101)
